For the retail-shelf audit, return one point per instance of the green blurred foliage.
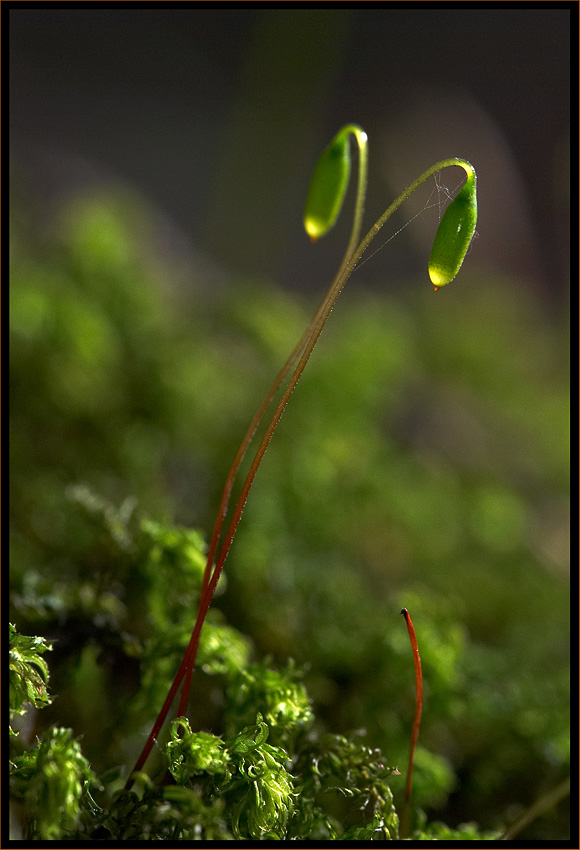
(422, 462)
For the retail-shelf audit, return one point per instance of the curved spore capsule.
(327, 187)
(454, 235)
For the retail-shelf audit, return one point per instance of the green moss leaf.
(28, 672)
(52, 780)
(261, 790)
(278, 695)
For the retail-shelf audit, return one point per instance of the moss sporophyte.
(324, 201)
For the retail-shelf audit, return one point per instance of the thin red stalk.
(210, 578)
(189, 656)
(354, 236)
(223, 506)
(416, 722)
(209, 584)
(306, 345)
(254, 425)
(355, 233)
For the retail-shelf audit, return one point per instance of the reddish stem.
(210, 578)
(208, 583)
(416, 722)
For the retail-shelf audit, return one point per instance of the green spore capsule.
(454, 234)
(327, 187)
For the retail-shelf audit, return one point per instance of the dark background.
(217, 114)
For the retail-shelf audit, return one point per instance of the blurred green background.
(159, 279)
